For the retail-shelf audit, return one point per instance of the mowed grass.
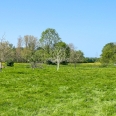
(88, 90)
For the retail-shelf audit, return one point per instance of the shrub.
(50, 62)
(33, 65)
(64, 62)
(10, 63)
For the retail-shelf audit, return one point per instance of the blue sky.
(88, 24)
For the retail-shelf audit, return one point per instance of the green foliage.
(48, 38)
(64, 62)
(41, 55)
(63, 45)
(108, 53)
(87, 90)
(10, 63)
(50, 62)
(90, 60)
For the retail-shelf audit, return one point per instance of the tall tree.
(31, 42)
(48, 38)
(19, 50)
(26, 48)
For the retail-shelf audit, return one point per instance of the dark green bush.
(50, 62)
(10, 63)
(64, 62)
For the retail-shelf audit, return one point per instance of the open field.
(88, 90)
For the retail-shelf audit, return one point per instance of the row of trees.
(49, 48)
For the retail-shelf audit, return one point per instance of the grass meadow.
(87, 90)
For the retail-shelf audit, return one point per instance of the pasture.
(88, 90)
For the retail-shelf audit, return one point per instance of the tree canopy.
(49, 37)
(109, 53)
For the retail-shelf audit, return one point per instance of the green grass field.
(88, 90)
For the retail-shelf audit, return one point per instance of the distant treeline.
(50, 49)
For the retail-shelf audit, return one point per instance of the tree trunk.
(75, 64)
(58, 63)
(0, 66)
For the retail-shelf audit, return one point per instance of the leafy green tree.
(48, 38)
(108, 53)
(40, 55)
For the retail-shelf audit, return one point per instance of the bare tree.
(58, 53)
(26, 47)
(75, 55)
(31, 42)
(19, 49)
(5, 50)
